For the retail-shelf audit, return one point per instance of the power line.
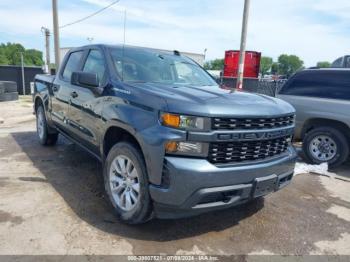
(89, 16)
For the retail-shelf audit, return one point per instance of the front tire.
(126, 184)
(325, 144)
(45, 138)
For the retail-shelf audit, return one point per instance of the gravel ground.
(52, 202)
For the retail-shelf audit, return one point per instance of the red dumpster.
(251, 67)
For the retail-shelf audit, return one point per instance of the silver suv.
(321, 98)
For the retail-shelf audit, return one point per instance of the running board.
(79, 144)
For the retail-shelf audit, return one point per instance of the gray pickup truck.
(321, 98)
(171, 141)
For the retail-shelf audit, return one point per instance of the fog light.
(186, 147)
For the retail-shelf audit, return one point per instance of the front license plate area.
(264, 185)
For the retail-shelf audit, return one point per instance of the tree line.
(10, 54)
(285, 65)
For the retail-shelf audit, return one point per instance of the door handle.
(55, 88)
(74, 94)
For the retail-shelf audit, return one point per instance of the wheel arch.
(44, 101)
(37, 102)
(319, 122)
(115, 134)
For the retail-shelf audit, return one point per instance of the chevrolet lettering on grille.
(255, 135)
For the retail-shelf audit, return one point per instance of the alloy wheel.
(124, 183)
(40, 124)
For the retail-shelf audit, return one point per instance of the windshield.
(143, 65)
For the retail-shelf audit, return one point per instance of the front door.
(86, 104)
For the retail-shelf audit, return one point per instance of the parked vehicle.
(342, 62)
(172, 143)
(321, 98)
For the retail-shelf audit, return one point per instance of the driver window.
(95, 64)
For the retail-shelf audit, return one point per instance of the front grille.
(240, 151)
(251, 123)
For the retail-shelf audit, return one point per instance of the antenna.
(124, 40)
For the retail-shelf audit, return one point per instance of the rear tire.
(325, 144)
(45, 138)
(126, 184)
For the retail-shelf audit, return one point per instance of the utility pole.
(56, 33)
(47, 47)
(124, 28)
(23, 80)
(243, 45)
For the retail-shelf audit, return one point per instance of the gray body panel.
(310, 108)
(319, 95)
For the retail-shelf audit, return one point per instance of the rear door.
(86, 105)
(61, 89)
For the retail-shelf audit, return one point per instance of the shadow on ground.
(343, 170)
(76, 176)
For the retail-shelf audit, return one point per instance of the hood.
(215, 101)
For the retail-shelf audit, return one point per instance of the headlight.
(187, 148)
(184, 122)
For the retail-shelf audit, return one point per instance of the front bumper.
(197, 186)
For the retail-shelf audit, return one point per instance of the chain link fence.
(255, 86)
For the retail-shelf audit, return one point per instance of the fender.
(130, 130)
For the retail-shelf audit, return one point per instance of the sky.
(315, 30)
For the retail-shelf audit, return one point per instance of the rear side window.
(95, 63)
(322, 84)
(72, 65)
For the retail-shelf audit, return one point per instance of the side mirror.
(84, 79)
